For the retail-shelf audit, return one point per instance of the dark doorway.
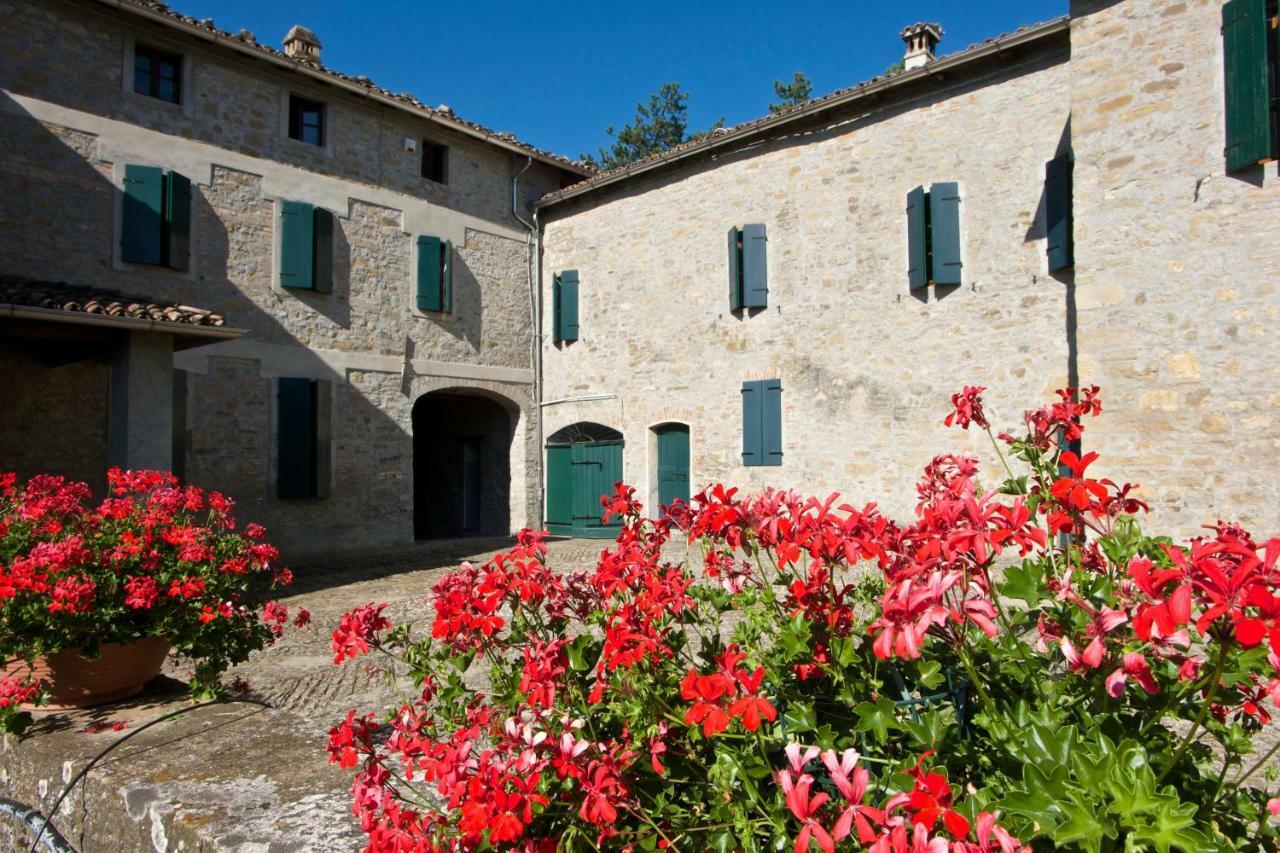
(461, 466)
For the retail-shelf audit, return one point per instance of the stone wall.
(1176, 267)
(866, 366)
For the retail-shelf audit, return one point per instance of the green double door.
(673, 464)
(578, 476)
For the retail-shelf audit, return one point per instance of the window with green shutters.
(304, 458)
(435, 274)
(156, 218)
(564, 306)
(933, 236)
(748, 267)
(306, 247)
(762, 422)
(1057, 212)
(1249, 49)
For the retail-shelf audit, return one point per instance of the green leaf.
(1024, 582)
(1080, 826)
(793, 639)
(799, 717)
(877, 718)
(579, 660)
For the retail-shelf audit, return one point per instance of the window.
(564, 298)
(435, 162)
(304, 459)
(306, 120)
(1057, 212)
(435, 274)
(1249, 33)
(157, 74)
(933, 235)
(156, 218)
(748, 268)
(762, 422)
(306, 247)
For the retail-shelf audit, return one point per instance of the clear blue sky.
(558, 73)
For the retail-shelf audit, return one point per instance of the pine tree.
(792, 94)
(659, 125)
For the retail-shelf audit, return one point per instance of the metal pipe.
(535, 322)
(584, 399)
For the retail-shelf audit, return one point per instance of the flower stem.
(1257, 766)
(1216, 680)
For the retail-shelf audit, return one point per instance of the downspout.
(535, 317)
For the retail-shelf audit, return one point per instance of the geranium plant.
(152, 559)
(1017, 667)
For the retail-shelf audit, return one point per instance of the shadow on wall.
(57, 226)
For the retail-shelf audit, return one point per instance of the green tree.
(661, 124)
(792, 94)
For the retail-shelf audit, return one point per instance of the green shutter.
(141, 238)
(752, 423)
(755, 267)
(735, 269)
(944, 226)
(771, 422)
(569, 305)
(429, 273)
(917, 251)
(446, 284)
(673, 465)
(1057, 212)
(322, 392)
(295, 438)
(555, 307)
(176, 248)
(1244, 49)
(322, 256)
(560, 487)
(297, 245)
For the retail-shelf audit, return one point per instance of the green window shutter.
(917, 251)
(569, 305)
(1244, 48)
(322, 256)
(429, 273)
(322, 392)
(1057, 212)
(755, 267)
(141, 235)
(297, 245)
(752, 423)
(771, 422)
(295, 438)
(944, 228)
(446, 284)
(176, 249)
(555, 308)
(735, 269)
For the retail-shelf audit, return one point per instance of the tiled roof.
(405, 100)
(78, 298)
(727, 137)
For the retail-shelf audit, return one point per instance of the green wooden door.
(560, 489)
(673, 464)
(578, 476)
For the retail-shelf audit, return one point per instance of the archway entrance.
(584, 460)
(461, 466)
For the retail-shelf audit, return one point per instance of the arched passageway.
(461, 466)
(584, 461)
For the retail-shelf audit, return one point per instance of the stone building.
(359, 263)
(893, 242)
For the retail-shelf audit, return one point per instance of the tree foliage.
(791, 94)
(661, 124)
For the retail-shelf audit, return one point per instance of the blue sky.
(558, 73)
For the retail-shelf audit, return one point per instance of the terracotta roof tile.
(57, 296)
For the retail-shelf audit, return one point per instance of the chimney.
(921, 39)
(301, 43)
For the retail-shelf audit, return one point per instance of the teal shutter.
(755, 267)
(322, 392)
(944, 226)
(176, 248)
(429, 273)
(1244, 49)
(917, 251)
(297, 245)
(295, 438)
(1058, 213)
(446, 284)
(569, 305)
(752, 423)
(555, 308)
(673, 465)
(141, 235)
(322, 256)
(735, 269)
(771, 422)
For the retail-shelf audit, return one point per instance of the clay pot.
(77, 682)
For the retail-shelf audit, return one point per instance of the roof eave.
(280, 62)
(984, 50)
(131, 324)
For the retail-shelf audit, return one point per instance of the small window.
(157, 74)
(564, 298)
(304, 461)
(762, 422)
(748, 268)
(435, 162)
(435, 274)
(1252, 78)
(156, 218)
(933, 236)
(306, 120)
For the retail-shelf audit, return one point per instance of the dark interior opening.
(461, 466)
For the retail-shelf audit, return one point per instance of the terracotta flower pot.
(77, 682)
